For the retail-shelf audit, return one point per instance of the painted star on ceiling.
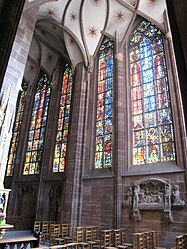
(50, 12)
(92, 31)
(152, 1)
(73, 16)
(120, 16)
(96, 2)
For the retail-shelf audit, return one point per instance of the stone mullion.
(72, 205)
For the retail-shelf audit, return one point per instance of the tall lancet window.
(63, 121)
(16, 130)
(152, 125)
(103, 151)
(37, 129)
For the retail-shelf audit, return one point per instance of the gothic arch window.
(16, 130)
(152, 124)
(37, 129)
(63, 121)
(103, 144)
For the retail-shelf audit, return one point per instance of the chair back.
(37, 226)
(79, 234)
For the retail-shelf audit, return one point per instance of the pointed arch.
(63, 121)
(37, 129)
(103, 151)
(16, 130)
(152, 123)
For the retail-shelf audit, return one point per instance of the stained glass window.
(153, 137)
(103, 153)
(37, 127)
(63, 121)
(16, 130)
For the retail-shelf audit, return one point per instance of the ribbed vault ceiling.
(78, 25)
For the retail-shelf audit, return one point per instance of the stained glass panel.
(103, 154)
(37, 127)
(16, 131)
(63, 122)
(153, 137)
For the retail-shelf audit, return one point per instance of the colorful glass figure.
(153, 137)
(63, 122)
(103, 152)
(16, 130)
(37, 129)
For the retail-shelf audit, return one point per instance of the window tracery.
(153, 136)
(37, 129)
(16, 130)
(103, 152)
(63, 121)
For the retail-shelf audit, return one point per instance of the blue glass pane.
(103, 154)
(153, 138)
(63, 121)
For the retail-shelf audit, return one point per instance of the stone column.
(120, 130)
(12, 82)
(73, 191)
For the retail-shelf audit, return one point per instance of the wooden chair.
(138, 241)
(54, 233)
(80, 237)
(124, 243)
(106, 238)
(66, 233)
(37, 226)
(116, 240)
(95, 234)
(156, 241)
(51, 223)
(45, 231)
(180, 242)
(90, 236)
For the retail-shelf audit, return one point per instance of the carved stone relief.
(153, 194)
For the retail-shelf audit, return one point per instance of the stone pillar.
(73, 191)
(12, 82)
(119, 94)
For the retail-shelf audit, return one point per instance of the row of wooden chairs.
(114, 238)
(65, 233)
(86, 237)
(51, 231)
(147, 239)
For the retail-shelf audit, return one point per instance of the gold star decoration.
(96, 2)
(50, 12)
(73, 16)
(92, 31)
(120, 16)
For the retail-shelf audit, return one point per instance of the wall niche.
(153, 193)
